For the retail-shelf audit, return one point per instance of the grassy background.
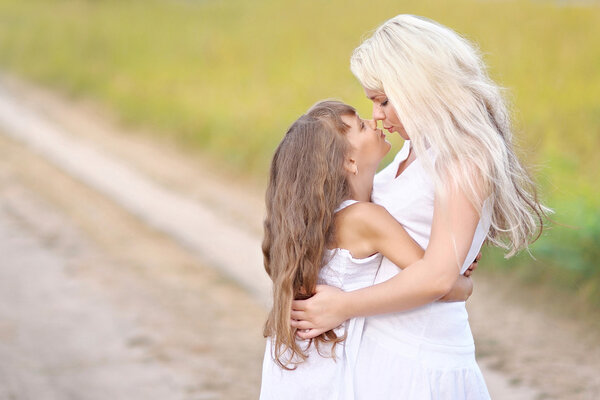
(226, 78)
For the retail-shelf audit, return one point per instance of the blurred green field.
(226, 78)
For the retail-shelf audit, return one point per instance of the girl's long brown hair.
(307, 183)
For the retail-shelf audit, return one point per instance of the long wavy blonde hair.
(438, 85)
(307, 182)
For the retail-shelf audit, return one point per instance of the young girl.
(455, 183)
(321, 227)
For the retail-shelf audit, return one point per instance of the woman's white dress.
(428, 352)
(423, 354)
(324, 377)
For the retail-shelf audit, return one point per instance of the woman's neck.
(404, 164)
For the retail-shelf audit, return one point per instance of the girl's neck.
(361, 186)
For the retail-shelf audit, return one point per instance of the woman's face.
(384, 111)
(369, 144)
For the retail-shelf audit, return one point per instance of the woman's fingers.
(299, 305)
(303, 305)
(301, 325)
(298, 315)
(309, 333)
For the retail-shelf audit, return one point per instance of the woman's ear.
(351, 166)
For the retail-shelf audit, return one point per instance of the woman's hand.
(322, 312)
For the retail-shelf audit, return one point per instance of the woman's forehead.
(373, 94)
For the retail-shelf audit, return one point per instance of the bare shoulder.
(358, 229)
(365, 218)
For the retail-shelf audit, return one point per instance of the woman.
(455, 183)
(321, 227)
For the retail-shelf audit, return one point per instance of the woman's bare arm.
(370, 228)
(428, 279)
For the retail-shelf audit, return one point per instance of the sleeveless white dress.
(322, 377)
(428, 352)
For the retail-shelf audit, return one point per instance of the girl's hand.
(463, 288)
(322, 312)
(461, 291)
(472, 267)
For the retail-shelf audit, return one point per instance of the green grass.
(226, 78)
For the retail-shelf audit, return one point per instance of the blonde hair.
(307, 182)
(438, 85)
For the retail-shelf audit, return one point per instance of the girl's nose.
(372, 123)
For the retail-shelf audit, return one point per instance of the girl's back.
(320, 376)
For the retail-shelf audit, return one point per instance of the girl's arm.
(370, 228)
(454, 222)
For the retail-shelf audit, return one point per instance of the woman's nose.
(378, 114)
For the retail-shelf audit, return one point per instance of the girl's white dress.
(428, 352)
(324, 377)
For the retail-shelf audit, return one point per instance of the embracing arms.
(370, 228)
(423, 281)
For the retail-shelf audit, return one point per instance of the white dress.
(428, 352)
(323, 378)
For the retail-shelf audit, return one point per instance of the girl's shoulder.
(354, 228)
(363, 218)
(360, 209)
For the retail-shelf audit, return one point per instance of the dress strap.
(345, 204)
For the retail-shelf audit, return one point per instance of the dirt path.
(114, 298)
(95, 305)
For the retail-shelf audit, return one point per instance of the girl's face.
(368, 143)
(384, 111)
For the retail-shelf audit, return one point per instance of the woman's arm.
(368, 228)
(454, 222)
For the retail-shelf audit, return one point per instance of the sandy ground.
(97, 305)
